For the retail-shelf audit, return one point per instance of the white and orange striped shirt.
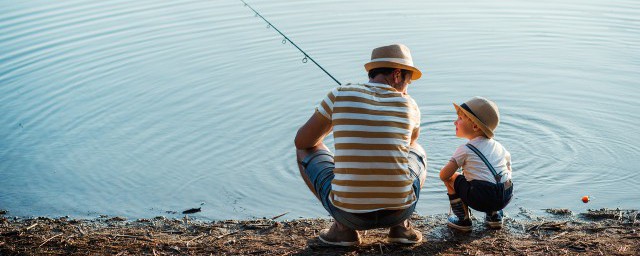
(372, 128)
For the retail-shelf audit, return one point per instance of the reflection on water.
(138, 108)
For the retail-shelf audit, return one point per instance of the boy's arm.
(448, 170)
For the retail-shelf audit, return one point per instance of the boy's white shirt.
(474, 168)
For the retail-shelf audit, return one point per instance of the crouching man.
(374, 178)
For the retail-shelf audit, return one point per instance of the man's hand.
(313, 132)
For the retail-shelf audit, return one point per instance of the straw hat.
(393, 56)
(482, 112)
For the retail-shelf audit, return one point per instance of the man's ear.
(397, 74)
(476, 127)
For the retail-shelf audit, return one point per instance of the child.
(485, 183)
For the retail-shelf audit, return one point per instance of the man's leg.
(422, 175)
(404, 232)
(337, 234)
(301, 155)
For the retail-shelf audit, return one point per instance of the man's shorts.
(319, 168)
(482, 195)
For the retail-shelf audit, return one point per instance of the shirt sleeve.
(508, 158)
(460, 156)
(325, 107)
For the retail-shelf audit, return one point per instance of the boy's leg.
(449, 184)
(494, 219)
(461, 219)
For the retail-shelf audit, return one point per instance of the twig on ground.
(257, 226)
(549, 226)
(127, 236)
(228, 234)
(558, 235)
(176, 232)
(278, 216)
(45, 241)
(17, 232)
(30, 227)
(134, 237)
(196, 238)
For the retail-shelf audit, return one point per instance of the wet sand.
(602, 232)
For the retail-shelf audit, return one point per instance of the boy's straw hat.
(393, 56)
(482, 112)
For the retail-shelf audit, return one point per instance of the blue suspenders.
(496, 176)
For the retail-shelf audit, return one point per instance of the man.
(375, 178)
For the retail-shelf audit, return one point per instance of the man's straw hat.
(393, 56)
(482, 112)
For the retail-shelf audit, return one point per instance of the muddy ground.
(601, 232)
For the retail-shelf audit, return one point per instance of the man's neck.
(381, 80)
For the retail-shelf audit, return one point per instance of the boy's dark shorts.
(319, 168)
(482, 195)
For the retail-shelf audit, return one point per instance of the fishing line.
(285, 39)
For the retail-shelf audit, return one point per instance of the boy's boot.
(461, 219)
(494, 219)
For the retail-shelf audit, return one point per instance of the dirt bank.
(606, 232)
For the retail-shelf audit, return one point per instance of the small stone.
(117, 218)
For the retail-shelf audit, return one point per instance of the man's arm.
(415, 134)
(313, 131)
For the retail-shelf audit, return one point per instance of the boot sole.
(345, 244)
(403, 240)
(494, 225)
(460, 228)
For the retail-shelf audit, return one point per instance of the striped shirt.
(372, 128)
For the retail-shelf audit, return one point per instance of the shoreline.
(597, 232)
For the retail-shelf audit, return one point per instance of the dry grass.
(161, 236)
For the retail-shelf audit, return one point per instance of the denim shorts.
(482, 195)
(319, 168)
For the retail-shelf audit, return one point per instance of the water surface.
(135, 108)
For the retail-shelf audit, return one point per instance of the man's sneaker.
(459, 224)
(339, 236)
(404, 234)
(494, 219)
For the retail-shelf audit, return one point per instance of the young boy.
(485, 183)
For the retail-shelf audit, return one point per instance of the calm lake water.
(135, 108)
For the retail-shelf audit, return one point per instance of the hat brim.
(475, 120)
(416, 74)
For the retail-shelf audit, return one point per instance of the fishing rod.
(284, 41)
